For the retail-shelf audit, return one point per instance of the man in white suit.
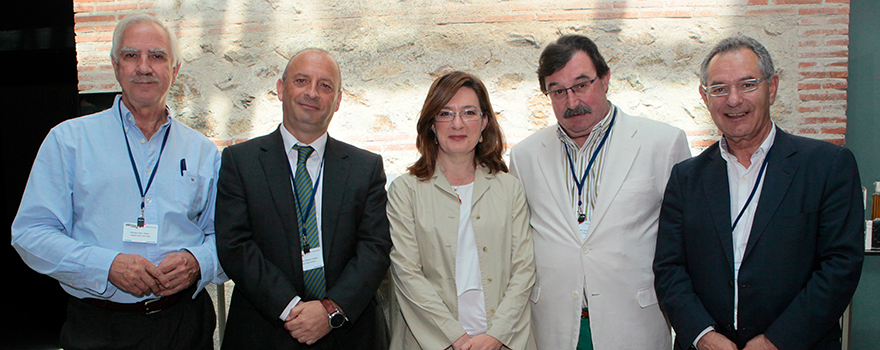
(594, 183)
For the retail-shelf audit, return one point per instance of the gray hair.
(141, 18)
(765, 63)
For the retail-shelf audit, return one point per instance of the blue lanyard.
(137, 176)
(580, 184)
(300, 210)
(754, 189)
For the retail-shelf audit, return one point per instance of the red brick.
(840, 130)
(703, 143)
(805, 131)
(807, 43)
(823, 10)
(666, 14)
(824, 74)
(824, 120)
(806, 64)
(837, 1)
(843, 42)
(823, 97)
(836, 86)
(116, 7)
(82, 8)
(824, 32)
(838, 64)
(757, 2)
(105, 18)
(802, 109)
(797, 2)
(839, 142)
(839, 53)
(809, 86)
(771, 11)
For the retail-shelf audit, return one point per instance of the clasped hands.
(308, 321)
(138, 276)
(715, 341)
(479, 342)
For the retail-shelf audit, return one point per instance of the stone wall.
(391, 50)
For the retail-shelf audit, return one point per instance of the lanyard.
(754, 189)
(300, 210)
(580, 184)
(137, 176)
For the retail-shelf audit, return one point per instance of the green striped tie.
(314, 278)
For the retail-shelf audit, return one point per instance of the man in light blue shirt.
(119, 208)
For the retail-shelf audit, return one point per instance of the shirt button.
(744, 178)
(149, 170)
(489, 278)
(492, 312)
(585, 249)
(485, 249)
(143, 140)
(575, 294)
(149, 201)
(478, 217)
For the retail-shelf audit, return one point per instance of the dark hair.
(557, 54)
(765, 63)
(488, 152)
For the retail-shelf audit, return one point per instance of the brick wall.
(390, 51)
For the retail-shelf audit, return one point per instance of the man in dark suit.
(760, 242)
(301, 225)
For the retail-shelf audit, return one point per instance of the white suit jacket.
(616, 257)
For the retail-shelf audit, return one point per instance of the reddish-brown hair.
(488, 152)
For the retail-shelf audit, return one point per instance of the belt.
(585, 313)
(144, 307)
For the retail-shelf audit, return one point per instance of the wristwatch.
(337, 318)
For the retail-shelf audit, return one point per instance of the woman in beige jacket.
(462, 261)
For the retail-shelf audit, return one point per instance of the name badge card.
(144, 234)
(584, 227)
(313, 259)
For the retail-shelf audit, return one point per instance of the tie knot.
(303, 153)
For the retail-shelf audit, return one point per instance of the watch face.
(336, 320)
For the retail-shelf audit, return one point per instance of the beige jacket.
(424, 220)
(614, 262)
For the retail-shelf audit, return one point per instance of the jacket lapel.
(335, 178)
(277, 170)
(717, 192)
(549, 161)
(619, 159)
(777, 179)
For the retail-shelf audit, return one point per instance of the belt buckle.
(147, 306)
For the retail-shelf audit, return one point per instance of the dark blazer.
(802, 261)
(259, 246)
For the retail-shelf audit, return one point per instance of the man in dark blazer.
(756, 254)
(263, 226)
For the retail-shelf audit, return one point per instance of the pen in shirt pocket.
(182, 166)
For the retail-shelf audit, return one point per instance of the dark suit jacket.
(259, 246)
(802, 261)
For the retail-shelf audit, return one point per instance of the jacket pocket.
(536, 293)
(647, 297)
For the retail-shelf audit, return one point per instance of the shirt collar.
(595, 135)
(763, 149)
(289, 141)
(129, 119)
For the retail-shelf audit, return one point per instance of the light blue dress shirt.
(82, 189)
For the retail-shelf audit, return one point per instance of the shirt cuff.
(700, 336)
(290, 305)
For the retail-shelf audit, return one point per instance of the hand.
(482, 342)
(181, 269)
(760, 343)
(715, 341)
(308, 322)
(458, 343)
(136, 275)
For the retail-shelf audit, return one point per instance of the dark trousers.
(189, 324)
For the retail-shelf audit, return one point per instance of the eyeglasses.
(467, 115)
(576, 89)
(721, 90)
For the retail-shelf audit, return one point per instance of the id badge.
(313, 259)
(584, 227)
(145, 234)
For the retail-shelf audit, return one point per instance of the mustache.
(141, 79)
(582, 109)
